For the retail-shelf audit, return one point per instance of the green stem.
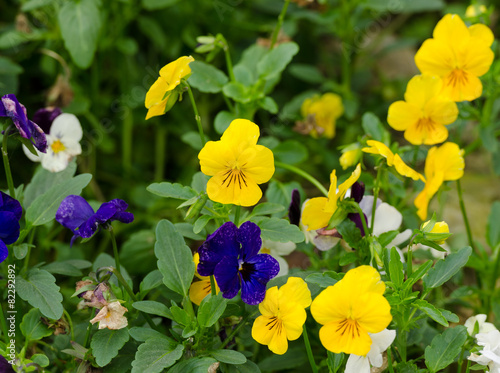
(70, 322)
(237, 329)
(87, 335)
(304, 174)
(362, 217)
(132, 296)
(115, 249)
(389, 360)
(160, 146)
(464, 214)
(277, 29)
(229, 62)
(467, 370)
(309, 350)
(409, 265)
(6, 164)
(376, 190)
(3, 324)
(494, 278)
(196, 115)
(237, 210)
(27, 258)
(127, 136)
(212, 286)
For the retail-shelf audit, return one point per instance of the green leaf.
(156, 354)
(348, 258)
(154, 308)
(445, 269)
(169, 190)
(431, 311)
(229, 356)
(278, 230)
(20, 251)
(322, 279)
(211, 308)
(175, 260)
(449, 316)
(106, 343)
(44, 207)
(418, 274)
(396, 268)
(267, 208)
(238, 92)
(386, 238)
(350, 233)
(335, 361)
(307, 73)
(151, 281)
(201, 222)
(206, 78)
(222, 121)
(8, 67)
(493, 227)
(35, 4)
(373, 127)
(80, 24)
(41, 360)
(290, 152)
(292, 359)
(404, 6)
(445, 348)
(40, 290)
(276, 60)
(63, 268)
(143, 334)
(192, 138)
(268, 104)
(32, 326)
(193, 365)
(158, 4)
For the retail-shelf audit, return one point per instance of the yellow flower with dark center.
(318, 211)
(200, 289)
(324, 110)
(237, 165)
(443, 163)
(170, 77)
(459, 55)
(350, 309)
(377, 147)
(425, 111)
(283, 315)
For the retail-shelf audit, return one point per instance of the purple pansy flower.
(10, 107)
(44, 117)
(76, 214)
(10, 214)
(231, 255)
(357, 193)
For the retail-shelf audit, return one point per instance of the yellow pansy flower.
(439, 227)
(377, 147)
(283, 315)
(425, 111)
(170, 77)
(325, 110)
(350, 309)
(475, 10)
(443, 163)
(318, 211)
(200, 289)
(350, 156)
(237, 164)
(459, 55)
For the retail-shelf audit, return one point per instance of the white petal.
(72, 147)
(55, 162)
(31, 156)
(366, 205)
(387, 218)
(400, 238)
(283, 266)
(380, 342)
(67, 126)
(278, 248)
(324, 243)
(490, 340)
(479, 359)
(357, 364)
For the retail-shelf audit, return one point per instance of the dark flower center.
(246, 270)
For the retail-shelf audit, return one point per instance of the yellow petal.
(451, 30)
(483, 33)
(421, 89)
(157, 110)
(295, 290)
(377, 147)
(175, 71)
(314, 215)
(233, 189)
(426, 132)
(373, 312)
(241, 134)
(215, 157)
(432, 185)
(270, 305)
(364, 279)
(279, 342)
(334, 340)
(478, 57)
(435, 58)
(450, 161)
(156, 93)
(441, 110)
(406, 170)
(258, 162)
(331, 204)
(261, 332)
(460, 85)
(402, 115)
(349, 182)
(293, 317)
(199, 290)
(331, 304)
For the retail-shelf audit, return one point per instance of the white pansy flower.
(490, 354)
(484, 327)
(277, 250)
(63, 143)
(380, 342)
(111, 317)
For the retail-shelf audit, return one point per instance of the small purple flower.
(231, 255)
(294, 208)
(10, 107)
(10, 214)
(76, 214)
(357, 193)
